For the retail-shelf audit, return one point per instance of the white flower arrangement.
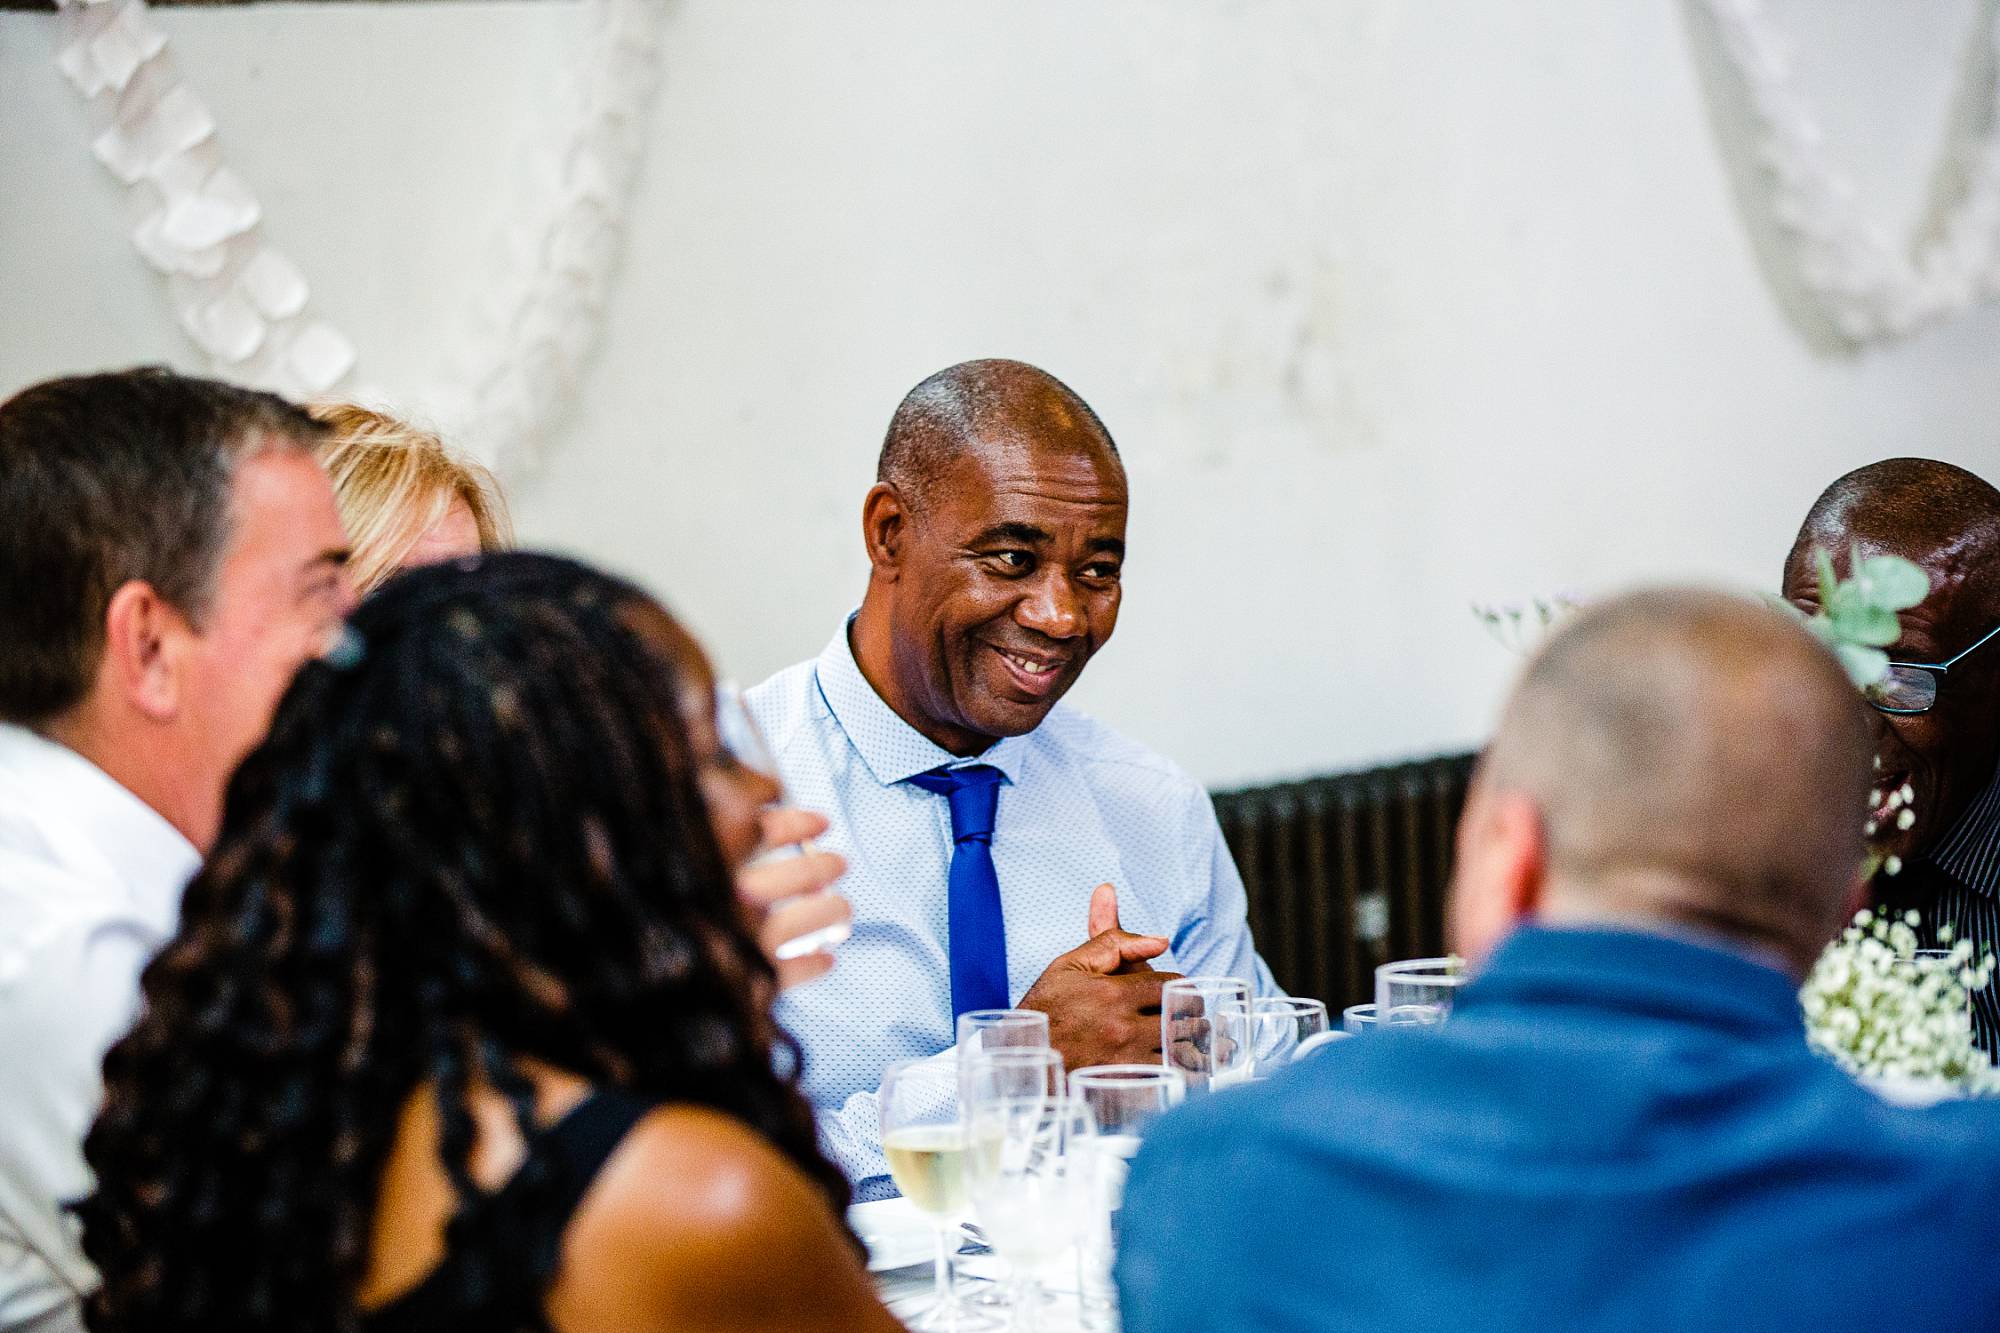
(1891, 1014)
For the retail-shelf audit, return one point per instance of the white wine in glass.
(927, 1163)
(924, 1139)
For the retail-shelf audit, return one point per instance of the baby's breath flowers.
(1883, 1009)
(1889, 813)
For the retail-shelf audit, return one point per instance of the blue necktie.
(977, 931)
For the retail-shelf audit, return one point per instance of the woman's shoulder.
(699, 1222)
(724, 1175)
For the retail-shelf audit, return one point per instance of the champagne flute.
(924, 1139)
(1205, 1031)
(1115, 1107)
(1022, 1187)
(981, 1030)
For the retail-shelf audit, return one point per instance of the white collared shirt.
(90, 887)
(1079, 806)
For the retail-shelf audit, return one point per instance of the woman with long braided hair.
(464, 1026)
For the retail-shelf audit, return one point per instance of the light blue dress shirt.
(1080, 806)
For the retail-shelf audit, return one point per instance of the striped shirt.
(1968, 897)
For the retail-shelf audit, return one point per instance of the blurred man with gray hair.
(1620, 1126)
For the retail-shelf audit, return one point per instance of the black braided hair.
(478, 838)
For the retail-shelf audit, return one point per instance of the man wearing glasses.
(1939, 710)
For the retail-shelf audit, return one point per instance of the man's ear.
(1502, 870)
(146, 643)
(884, 528)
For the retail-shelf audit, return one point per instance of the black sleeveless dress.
(496, 1279)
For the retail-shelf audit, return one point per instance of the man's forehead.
(1963, 566)
(1023, 467)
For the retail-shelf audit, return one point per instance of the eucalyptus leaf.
(1829, 582)
(1874, 626)
(1858, 617)
(1893, 583)
(1865, 666)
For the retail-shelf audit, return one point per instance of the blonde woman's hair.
(394, 483)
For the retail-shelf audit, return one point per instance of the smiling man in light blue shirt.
(1003, 849)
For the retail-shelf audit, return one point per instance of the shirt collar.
(894, 750)
(59, 804)
(1690, 975)
(1970, 851)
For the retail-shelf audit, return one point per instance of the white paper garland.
(246, 305)
(1870, 285)
(540, 320)
(242, 302)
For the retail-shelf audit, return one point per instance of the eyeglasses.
(1911, 688)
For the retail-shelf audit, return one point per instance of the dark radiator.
(1347, 872)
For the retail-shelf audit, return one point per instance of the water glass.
(1279, 1026)
(1205, 1031)
(1027, 1198)
(924, 1138)
(1418, 990)
(1115, 1106)
(744, 742)
(1359, 1019)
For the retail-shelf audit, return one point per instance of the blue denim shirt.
(1617, 1130)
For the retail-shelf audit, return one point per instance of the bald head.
(1689, 757)
(977, 406)
(1946, 521)
(1943, 517)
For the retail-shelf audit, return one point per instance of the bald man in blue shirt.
(1621, 1126)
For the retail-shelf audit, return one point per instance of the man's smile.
(1035, 673)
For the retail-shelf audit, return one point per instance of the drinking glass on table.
(1205, 1031)
(981, 1030)
(924, 1139)
(1418, 990)
(1115, 1106)
(1359, 1018)
(1279, 1026)
(1024, 1192)
(995, 1029)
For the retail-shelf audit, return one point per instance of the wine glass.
(1023, 1190)
(1115, 1106)
(1205, 1031)
(1418, 990)
(981, 1030)
(1279, 1026)
(924, 1138)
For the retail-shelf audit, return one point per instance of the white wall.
(1392, 306)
